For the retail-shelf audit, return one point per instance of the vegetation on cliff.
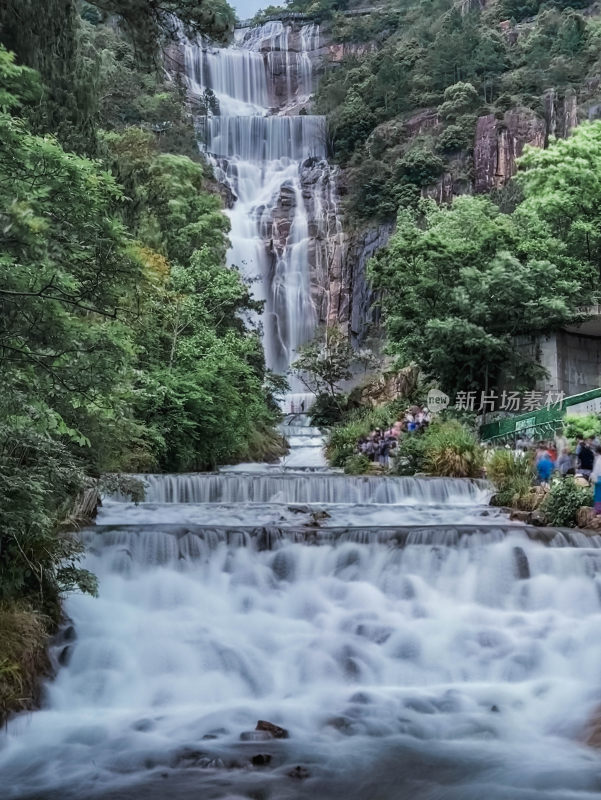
(402, 106)
(122, 345)
(459, 283)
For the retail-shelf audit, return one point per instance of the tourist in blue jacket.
(544, 468)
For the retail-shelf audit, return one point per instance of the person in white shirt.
(561, 443)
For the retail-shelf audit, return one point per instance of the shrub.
(563, 501)
(458, 99)
(23, 659)
(408, 457)
(451, 450)
(446, 448)
(343, 442)
(578, 426)
(39, 480)
(420, 167)
(357, 464)
(512, 475)
(327, 410)
(453, 138)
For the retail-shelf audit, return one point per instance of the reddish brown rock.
(586, 518)
(274, 730)
(499, 142)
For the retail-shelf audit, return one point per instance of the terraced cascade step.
(241, 487)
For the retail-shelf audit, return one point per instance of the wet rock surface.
(275, 731)
(299, 773)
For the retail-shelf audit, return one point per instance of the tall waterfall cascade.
(264, 145)
(412, 641)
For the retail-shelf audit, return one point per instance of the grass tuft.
(23, 658)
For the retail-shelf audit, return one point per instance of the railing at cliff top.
(284, 16)
(544, 421)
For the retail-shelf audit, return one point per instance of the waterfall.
(413, 641)
(309, 488)
(451, 661)
(259, 151)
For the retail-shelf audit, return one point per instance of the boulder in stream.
(269, 727)
(300, 773)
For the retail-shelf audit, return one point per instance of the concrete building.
(571, 356)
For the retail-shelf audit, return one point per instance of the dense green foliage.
(459, 283)
(512, 474)
(446, 448)
(452, 450)
(357, 464)
(325, 362)
(122, 345)
(410, 93)
(409, 455)
(562, 187)
(59, 39)
(564, 500)
(577, 427)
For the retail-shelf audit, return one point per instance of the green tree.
(458, 284)
(66, 272)
(562, 187)
(54, 38)
(201, 371)
(325, 362)
(459, 99)
(351, 125)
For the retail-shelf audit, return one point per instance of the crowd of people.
(559, 457)
(380, 444)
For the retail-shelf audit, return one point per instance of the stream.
(412, 641)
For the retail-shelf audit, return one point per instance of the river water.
(413, 642)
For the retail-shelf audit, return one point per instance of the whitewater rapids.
(420, 667)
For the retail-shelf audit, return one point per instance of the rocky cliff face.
(295, 57)
(337, 256)
(500, 142)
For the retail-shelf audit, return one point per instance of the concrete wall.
(572, 360)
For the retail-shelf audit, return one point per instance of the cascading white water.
(415, 643)
(336, 489)
(259, 154)
(402, 669)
